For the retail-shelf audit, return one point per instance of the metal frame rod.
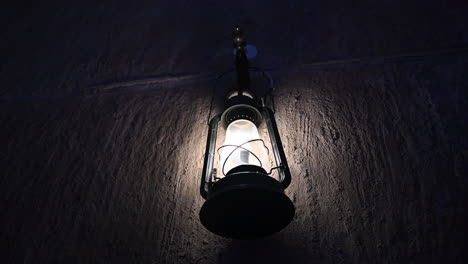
(207, 175)
(277, 146)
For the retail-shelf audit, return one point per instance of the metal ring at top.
(241, 111)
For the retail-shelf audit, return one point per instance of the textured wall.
(103, 112)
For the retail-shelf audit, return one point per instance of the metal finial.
(238, 38)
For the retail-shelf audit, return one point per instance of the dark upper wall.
(103, 117)
(65, 48)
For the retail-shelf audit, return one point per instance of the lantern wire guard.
(236, 147)
(247, 202)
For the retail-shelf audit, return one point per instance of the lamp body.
(245, 173)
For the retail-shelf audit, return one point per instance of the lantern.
(243, 198)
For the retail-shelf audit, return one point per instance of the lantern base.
(246, 205)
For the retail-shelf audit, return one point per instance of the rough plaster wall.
(103, 117)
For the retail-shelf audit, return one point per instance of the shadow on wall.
(272, 250)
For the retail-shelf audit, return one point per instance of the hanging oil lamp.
(243, 198)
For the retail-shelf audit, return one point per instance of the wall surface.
(103, 113)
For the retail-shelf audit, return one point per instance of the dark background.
(103, 114)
